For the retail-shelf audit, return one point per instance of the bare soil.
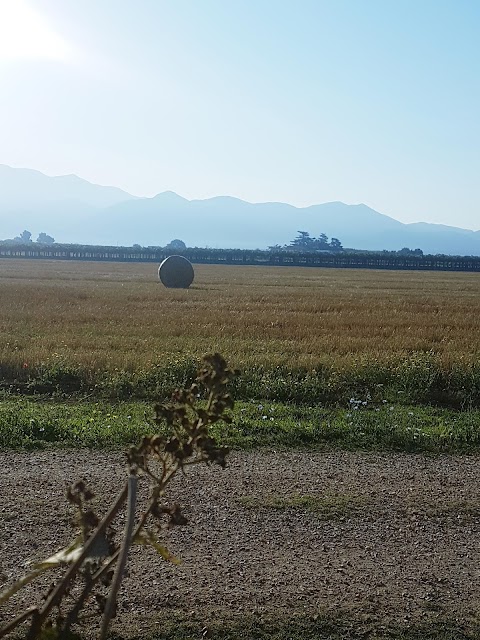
(398, 544)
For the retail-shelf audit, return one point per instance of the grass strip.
(31, 423)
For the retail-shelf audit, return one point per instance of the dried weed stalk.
(95, 560)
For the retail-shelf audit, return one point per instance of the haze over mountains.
(74, 210)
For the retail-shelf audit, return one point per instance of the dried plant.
(95, 560)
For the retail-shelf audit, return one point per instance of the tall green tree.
(303, 240)
(322, 241)
(44, 238)
(25, 237)
(335, 244)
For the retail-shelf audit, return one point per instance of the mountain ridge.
(75, 210)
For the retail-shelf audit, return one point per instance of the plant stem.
(122, 558)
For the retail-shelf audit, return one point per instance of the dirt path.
(394, 538)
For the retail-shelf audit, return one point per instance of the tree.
(322, 241)
(44, 238)
(178, 245)
(336, 245)
(303, 240)
(410, 252)
(25, 237)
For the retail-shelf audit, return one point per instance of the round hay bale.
(176, 272)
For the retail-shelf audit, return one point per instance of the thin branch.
(122, 558)
(111, 560)
(75, 611)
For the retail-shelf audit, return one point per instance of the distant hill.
(74, 210)
(31, 200)
(25, 187)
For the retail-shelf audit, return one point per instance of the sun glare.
(25, 34)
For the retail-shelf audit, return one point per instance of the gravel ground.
(401, 545)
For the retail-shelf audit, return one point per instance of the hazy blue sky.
(303, 101)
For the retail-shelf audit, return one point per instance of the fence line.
(246, 257)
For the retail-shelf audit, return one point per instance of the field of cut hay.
(113, 315)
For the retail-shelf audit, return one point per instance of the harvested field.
(114, 315)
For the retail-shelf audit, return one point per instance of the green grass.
(325, 507)
(465, 510)
(27, 422)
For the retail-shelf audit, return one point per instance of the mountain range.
(74, 210)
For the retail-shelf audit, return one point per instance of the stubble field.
(114, 315)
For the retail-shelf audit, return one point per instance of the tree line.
(302, 243)
(26, 238)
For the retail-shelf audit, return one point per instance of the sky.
(299, 101)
